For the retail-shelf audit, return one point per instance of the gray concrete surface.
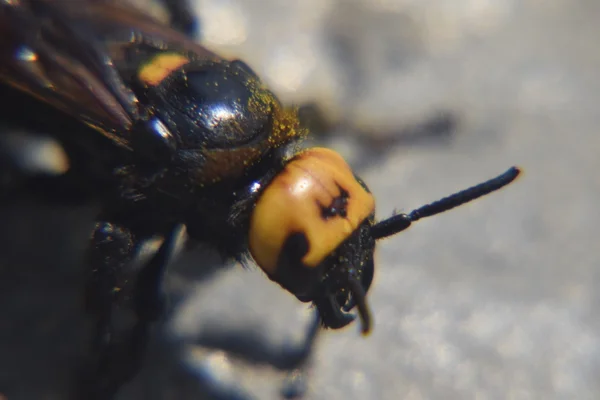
(495, 300)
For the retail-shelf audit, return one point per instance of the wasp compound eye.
(307, 211)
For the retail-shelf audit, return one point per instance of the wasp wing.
(72, 55)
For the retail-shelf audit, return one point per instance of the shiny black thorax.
(195, 147)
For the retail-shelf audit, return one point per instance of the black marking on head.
(291, 273)
(338, 206)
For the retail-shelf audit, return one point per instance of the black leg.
(251, 346)
(438, 129)
(124, 295)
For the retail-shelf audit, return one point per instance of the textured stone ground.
(490, 301)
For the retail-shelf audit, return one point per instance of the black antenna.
(400, 222)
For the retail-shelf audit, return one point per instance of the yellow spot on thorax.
(158, 68)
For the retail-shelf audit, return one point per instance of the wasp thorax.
(313, 205)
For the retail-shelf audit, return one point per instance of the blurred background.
(494, 300)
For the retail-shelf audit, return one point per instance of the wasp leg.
(124, 294)
(438, 129)
(251, 346)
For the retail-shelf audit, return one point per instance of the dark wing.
(68, 54)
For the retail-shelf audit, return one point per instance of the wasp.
(165, 134)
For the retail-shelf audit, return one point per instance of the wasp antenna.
(400, 222)
(465, 196)
(359, 296)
